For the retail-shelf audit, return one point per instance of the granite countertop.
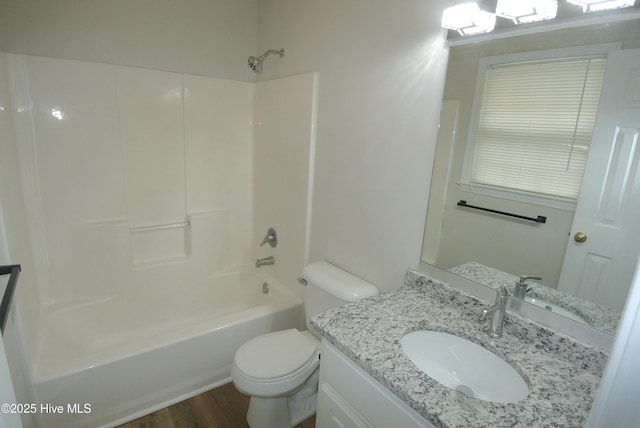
(599, 317)
(562, 373)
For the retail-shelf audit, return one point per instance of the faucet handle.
(271, 238)
(523, 278)
(521, 288)
(503, 293)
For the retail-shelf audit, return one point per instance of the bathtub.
(109, 361)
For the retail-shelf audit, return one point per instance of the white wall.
(206, 37)
(381, 69)
(283, 150)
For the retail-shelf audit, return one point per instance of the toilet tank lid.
(337, 282)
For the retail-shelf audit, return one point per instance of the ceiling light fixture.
(467, 19)
(526, 11)
(598, 5)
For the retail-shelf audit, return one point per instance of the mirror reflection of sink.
(464, 366)
(554, 308)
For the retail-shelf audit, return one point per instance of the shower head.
(256, 63)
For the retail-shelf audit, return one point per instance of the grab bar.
(14, 270)
(160, 227)
(539, 219)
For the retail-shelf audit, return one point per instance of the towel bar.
(539, 219)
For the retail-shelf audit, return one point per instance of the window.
(532, 125)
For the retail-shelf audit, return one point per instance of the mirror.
(493, 249)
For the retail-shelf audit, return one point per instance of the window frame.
(484, 63)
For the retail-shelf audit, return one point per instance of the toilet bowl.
(275, 364)
(280, 370)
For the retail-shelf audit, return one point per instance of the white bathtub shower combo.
(279, 370)
(146, 194)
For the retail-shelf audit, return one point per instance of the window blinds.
(535, 125)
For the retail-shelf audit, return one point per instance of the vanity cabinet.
(348, 397)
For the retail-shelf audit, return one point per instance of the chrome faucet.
(496, 313)
(521, 288)
(265, 261)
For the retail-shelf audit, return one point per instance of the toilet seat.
(275, 355)
(276, 363)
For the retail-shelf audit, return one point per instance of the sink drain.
(465, 390)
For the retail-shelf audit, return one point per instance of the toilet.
(280, 370)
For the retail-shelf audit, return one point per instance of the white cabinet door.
(335, 412)
(349, 397)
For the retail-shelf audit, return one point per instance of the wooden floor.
(223, 407)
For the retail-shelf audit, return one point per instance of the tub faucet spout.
(265, 261)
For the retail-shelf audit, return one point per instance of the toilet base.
(268, 413)
(285, 412)
(303, 404)
(302, 410)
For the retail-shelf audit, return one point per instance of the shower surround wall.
(127, 169)
(284, 134)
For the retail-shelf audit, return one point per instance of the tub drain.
(265, 287)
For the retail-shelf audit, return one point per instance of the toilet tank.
(329, 287)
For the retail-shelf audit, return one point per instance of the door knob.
(580, 237)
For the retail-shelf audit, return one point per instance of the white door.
(600, 269)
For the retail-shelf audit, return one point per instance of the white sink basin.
(554, 308)
(464, 366)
